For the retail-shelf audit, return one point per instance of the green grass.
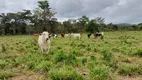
(116, 54)
(99, 72)
(65, 73)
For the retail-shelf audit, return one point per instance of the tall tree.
(100, 21)
(92, 26)
(135, 27)
(44, 14)
(83, 21)
(5, 20)
(68, 26)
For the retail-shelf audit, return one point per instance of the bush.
(77, 52)
(84, 60)
(107, 56)
(4, 74)
(44, 66)
(3, 48)
(65, 73)
(3, 63)
(139, 52)
(60, 57)
(99, 73)
(71, 59)
(32, 60)
(93, 58)
(130, 70)
(67, 59)
(102, 37)
(81, 45)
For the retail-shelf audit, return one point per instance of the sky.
(114, 11)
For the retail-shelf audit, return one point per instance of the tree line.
(43, 19)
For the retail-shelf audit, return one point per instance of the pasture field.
(118, 56)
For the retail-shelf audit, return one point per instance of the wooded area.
(43, 19)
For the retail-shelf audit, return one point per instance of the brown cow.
(35, 34)
(62, 34)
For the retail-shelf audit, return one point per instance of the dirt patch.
(130, 78)
(139, 45)
(25, 77)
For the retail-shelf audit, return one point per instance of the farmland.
(118, 56)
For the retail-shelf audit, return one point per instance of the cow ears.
(50, 36)
(40, 33)
(49, 33)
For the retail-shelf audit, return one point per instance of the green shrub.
(84, 60)
(44, 66)
(115, 49)
(130, 70)
(99, 73)
(3, 63)
(3, 48)
(65, 73)
(81, 61)
(60, 56)
(71, 59)
(108, 60)
(93, 58)
(81, 45)
(102, 37)
(31, 60)
(107, 56)
(5, 74)
(67, 59)
(73, 44)
(88, 48)
(95, 49)
(77, 52)
(138, 52)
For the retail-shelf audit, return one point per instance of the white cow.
(67, 35)
(44, 41)
(55, 36)
(76, 35)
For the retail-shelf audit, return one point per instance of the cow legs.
(41, 50)
(48, 49)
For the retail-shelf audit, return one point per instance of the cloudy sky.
(115, 11)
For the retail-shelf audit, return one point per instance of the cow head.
(45, 35)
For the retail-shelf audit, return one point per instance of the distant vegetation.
(43, 18)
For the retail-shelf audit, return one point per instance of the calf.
(62, 34)
(35, 34)
(44, 41)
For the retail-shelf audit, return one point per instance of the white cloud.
(17, 5)
(116, 11)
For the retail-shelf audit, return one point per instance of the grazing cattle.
(89, 35)
(53, 35)
(98, 34)
(67, 35)
(44, 41)
(62, 34)
(76, 35)
(35, 34)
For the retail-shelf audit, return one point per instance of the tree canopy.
(43, 19)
